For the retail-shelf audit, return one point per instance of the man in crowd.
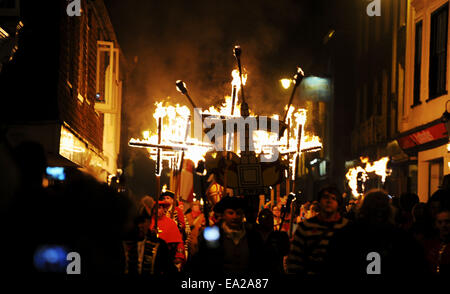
(175, 212)
(167, 230)
(235, 249)
(438, 249)
(372, 246)
(310, 244)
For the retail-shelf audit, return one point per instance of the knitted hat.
(228, 202)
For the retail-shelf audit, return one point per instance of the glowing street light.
(286, 83)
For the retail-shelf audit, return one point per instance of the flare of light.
(211, 234)
(286, 83)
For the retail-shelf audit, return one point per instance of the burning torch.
(181, 87)
(298, 77)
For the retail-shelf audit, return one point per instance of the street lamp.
(286, 83)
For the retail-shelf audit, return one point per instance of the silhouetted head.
(376, 208)
(421, 212)
(265, 219)
(232, 210)
(31, 160)
(408, 200)
(439, 200)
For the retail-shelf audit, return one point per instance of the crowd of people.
(116, 236)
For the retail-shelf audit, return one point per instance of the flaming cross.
(267, 139)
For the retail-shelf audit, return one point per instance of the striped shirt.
(310, 244)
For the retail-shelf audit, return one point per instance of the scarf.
(234, 235)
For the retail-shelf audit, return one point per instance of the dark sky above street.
(193, 41)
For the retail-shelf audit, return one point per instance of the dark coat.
(400, 254)
(209, 260)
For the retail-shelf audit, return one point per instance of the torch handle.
(158, 173)
(291, 221)
(190, 100)
(233, 101)
(157, 204)
(240, 77)
(290, 102)
(298, 77)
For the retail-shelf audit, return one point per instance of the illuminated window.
(107, 77)
(438, 52)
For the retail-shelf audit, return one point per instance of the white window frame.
(111, 100)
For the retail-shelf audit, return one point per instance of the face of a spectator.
(168, 199)
(443, 224)
(328, 203)
(276, 211)
(233, 218)
(196, 207)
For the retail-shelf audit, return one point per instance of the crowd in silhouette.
(115, 235)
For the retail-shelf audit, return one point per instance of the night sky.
(193, 41)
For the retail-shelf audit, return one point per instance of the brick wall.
(78, 58)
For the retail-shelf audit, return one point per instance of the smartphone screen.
(56, 173)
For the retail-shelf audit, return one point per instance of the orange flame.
(175, 119)
(378, 167)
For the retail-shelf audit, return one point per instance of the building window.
(9, 7)
(417, 63)
(107, 82)
(438, 52)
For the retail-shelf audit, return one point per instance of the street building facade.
(63, 82)
(422, 132)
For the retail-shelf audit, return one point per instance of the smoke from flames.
(193, 41)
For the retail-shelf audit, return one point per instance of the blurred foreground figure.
(78, 215)
(276, 243)
(231, 247)
(352, 250)
(438, 249)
